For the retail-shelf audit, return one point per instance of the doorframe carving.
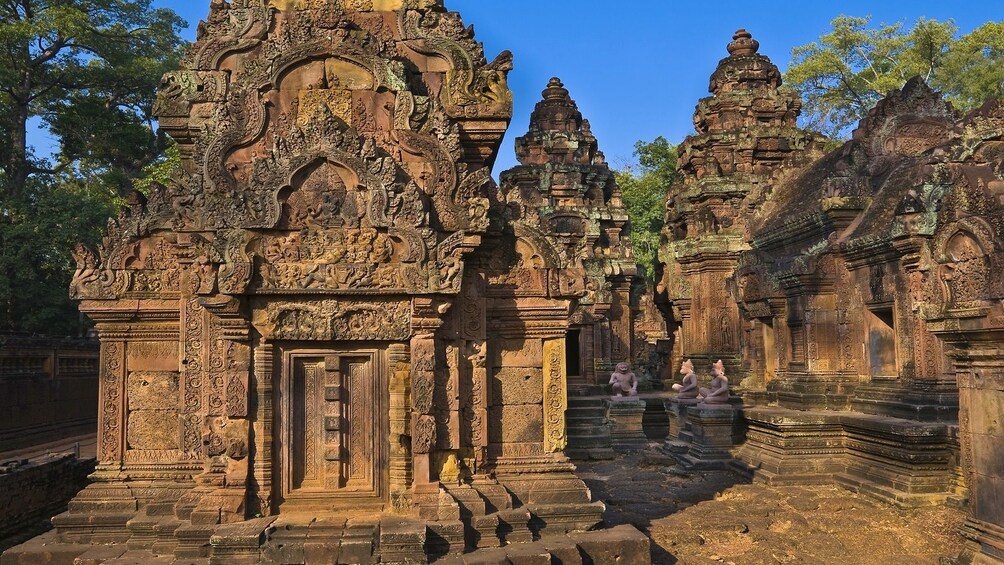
(286, 353)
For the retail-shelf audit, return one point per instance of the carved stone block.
(152, 356)
(152, 390)
(517, 353)
(516, 424)
(153, 430)
(519, 386)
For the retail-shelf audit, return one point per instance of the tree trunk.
(19, 168)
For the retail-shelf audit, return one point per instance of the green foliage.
(644, 189)
(86, 71)
(159, 172)
(843, 75)
(37, 232)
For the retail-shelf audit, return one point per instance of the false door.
(334, 428)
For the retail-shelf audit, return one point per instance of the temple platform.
(348, 540)
(902, 462)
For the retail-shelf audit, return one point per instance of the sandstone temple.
(332, 337)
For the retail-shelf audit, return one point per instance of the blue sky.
(637, 68)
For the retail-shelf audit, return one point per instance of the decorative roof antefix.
(916, 110)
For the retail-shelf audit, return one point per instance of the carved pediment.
(318, 161)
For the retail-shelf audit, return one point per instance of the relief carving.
(326, 320)
(555, 395)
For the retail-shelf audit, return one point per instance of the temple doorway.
(573, 357)
(331, 414)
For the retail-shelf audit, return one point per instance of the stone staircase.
(531, 519)
(490, 520)
(588, 428)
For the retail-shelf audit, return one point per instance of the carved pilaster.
(427, 317)
(193, 329)
(555, 395)
(111, 418)
(262, 486)
(399, 359)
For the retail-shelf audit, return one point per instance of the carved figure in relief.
(87, 267)
(623, 382)
(718, 393)
(688, 388)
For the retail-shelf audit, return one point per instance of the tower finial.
(743, 44)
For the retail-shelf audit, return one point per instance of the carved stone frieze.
(326, 320)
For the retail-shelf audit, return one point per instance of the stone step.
(402, 540)
(472, 503)
(591, 437)
(143, 531)
(514, 526)
(582, 390)
(387, 539)
(139, 557)
(583, 414)
(588, 428)
(193, 541)
(591, 443)
(585, 403)
(444, 539)
(588, 423)
(623, 544)
(497, 497)
(599, 453)
(588, 403)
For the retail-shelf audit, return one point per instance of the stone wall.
(48, 389)
(33, 491)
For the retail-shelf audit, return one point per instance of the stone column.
(427, 318)
(264, 353)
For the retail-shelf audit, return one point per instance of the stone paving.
(713, 517)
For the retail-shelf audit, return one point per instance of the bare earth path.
(709, 518)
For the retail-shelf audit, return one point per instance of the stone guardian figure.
(623, 382)
(688, 388)
(718, 393)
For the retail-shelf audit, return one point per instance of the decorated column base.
(680, 435)
(626, 416)
(713, 436)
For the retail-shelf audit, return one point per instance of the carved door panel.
(334, 426)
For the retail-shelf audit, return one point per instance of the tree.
(87, 71)
(843, 75)
(644, 189)
(37, 234)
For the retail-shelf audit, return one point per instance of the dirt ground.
(712, 517)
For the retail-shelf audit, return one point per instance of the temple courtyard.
(717, 517)
(332, 336)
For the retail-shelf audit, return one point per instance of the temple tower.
(746, 130)
(564, 188)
